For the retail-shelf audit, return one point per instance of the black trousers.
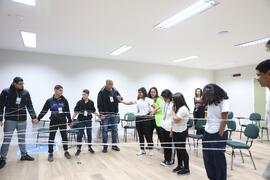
(179, 139)
(198, 113)
(214, 155)
(144, 126)
(54, 126)
(166, 143)
(158, 129)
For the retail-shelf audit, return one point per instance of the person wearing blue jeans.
(215, 135)
(14, 101)
(110, 123)
(108, 100)
(84, 109)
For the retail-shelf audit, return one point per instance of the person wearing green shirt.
(157, 110)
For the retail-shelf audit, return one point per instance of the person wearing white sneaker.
(144, 122)
(166, 124)
(141, 152)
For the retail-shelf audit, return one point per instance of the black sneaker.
(105, 150)
(178, 168)
(183, 172)
(50, 157)
(27, 158)
(91, 150)
(115, 148)
(78, 152)
(67, 155)
(2, 163)
(168, 163)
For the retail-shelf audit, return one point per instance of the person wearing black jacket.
(84, 109)
(58, 105)
(108, 99)
(13, 104)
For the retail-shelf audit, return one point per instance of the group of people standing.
(168, 114)
(15, 100)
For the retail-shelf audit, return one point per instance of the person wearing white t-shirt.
(215, 135)
(180, 133)
(263, 76)
(166, 130)
(144, 122)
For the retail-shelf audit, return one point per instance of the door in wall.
(259, 98)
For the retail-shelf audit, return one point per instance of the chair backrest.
(190, 123)
(75, 124)
(255, 117)
(252, 131)
(231, 124)
(200, 124)
(130, 117)
(230, 115)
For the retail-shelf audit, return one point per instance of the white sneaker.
(140, 152)
(151, 152)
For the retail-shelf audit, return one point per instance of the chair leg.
(197, 147)
(267, 135)
(252, 159)
(37, 139)
(242, 156)
(241, 133)
(232, 156)
(261, 135)
(125, 134)
(189, 143)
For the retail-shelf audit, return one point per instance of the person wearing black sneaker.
(108, 100)
(84, 109)
(58, 105)
(14, 101)
(180, 132)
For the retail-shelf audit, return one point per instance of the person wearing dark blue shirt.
(84, 109)
(58, 105)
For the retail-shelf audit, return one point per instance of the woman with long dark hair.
(180, 132)
(144, 122)
(216, 135)
(157, 110)
(198, 108)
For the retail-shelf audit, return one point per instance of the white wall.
(239, 89)
(42, 71)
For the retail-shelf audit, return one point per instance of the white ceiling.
(94, 28)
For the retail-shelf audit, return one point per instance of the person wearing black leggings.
(166, 130)
(180, 132)
(144, 121)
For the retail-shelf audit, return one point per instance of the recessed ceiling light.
(121, 50)
(189, 12)
(221, 33)
(29, 39)
(254, 42)
(185, 59)
(26, 2)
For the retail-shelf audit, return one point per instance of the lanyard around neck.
(165, 110)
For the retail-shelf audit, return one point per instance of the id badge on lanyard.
(111, 99)
(18, 100)
(85, 113)
(60, 110)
